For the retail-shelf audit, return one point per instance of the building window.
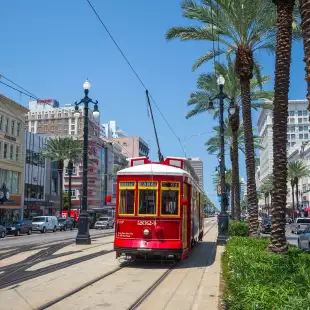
(1, 121)
(73, 171)
(291, 113)
(293, 144)
(26, 116)
(0, 149)
(73, 193)
(299, 113)
(72, 133)
(65, 132)
(59, 122)
(301, 128)
(18, 129)
(305, 128)
(5, 150)
(7, 125)
(301, 136)
(39, 116)
(11, 151)
(17, 153)
(72, 127)
(299, 120)
(304, 112)
(306, 136)
(293, 136)
(305, 120)
(288, 136)
(292, 121)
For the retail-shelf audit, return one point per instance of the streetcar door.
(184, 227)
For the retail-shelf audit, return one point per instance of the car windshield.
(103, 219)
(16, 222)
(38, 219)
(61, 220)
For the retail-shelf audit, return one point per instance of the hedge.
(256, 279)
(237, 228)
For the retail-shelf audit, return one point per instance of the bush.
(238, 229)
(257, 279)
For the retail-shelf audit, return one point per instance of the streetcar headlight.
(146, 232)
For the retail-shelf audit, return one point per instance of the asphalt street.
(38, 238)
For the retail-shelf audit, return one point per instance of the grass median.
(257, 279)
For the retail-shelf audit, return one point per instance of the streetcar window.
(127, 201)
(169, 202)
(147, 201)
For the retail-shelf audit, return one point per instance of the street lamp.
(83, 236)
(223, 217)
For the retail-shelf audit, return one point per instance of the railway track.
(17, 275)
(137, 302)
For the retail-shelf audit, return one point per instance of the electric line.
(21, 92)
(32, 95)
(134, 71)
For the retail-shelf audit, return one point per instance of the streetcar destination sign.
(127, 184)
(170, 184)
(148, 184)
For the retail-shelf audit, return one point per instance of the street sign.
(219, 192)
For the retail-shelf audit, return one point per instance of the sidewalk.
(194, 284)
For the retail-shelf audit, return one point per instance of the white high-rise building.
(112, 131)
(197, 164)
(297, 131)
(242, 189)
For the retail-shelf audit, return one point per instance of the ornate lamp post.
(223, 217)
(83, 236)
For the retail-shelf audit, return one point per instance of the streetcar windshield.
(127, 201)
(147, 201)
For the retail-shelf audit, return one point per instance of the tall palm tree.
(297, 170)
(56, 150)
(207, 85)
(74, 154)
(241, 28)
(305, 22)
(280, 115)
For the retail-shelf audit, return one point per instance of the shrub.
(238, 229)
(257, 279)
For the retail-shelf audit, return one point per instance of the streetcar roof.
(153, 169)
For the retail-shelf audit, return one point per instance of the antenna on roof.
(160, 155)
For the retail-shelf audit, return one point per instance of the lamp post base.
(222, 228)
(83, 236)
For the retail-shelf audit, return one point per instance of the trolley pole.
(223, 217)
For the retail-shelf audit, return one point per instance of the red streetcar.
(159, 210)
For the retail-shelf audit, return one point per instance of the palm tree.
(266, 189)
(305, 21)
(74, 154)
(242, 27)
(56, 149)
(232, 140)
(296, 171)
(280, 115)
(207, 85)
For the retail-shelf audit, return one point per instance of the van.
(299, 225)
(44, 223)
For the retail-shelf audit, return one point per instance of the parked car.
(304, 239)
(19, 227)
(2, 231)
(299, 225)
(104, 222)
(65, 223)
(265, 226)
(44, 223)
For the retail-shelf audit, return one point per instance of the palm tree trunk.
(297, 199)
(70, 168)
(305, 28)
(244, 68)
(233, 184)
(280, 114)
(293, 200)
(60, 172)
(235, 123)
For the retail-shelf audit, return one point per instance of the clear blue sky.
(51, 47)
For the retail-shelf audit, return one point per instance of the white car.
(299, 225)
(44, 223)
(104, 222)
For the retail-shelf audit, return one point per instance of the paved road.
(37, 237)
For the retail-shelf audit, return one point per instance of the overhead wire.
(134, 71)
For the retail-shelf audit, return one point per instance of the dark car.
(265, 226)
(2, 231)
(65, 223)
(19, 227)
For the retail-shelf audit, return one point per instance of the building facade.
(112, 131)
(12, 118)
(133, 146)
(41, 180)
(48, 118)
(197, 164)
